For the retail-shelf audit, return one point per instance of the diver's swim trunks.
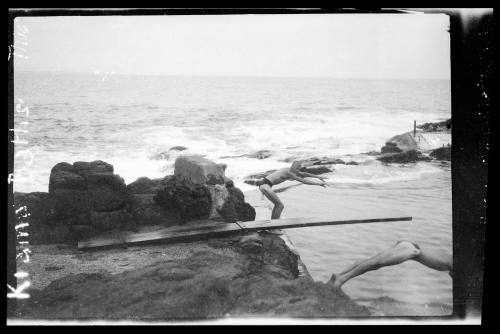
(263, 181)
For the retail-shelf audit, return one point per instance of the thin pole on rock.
(414, 128)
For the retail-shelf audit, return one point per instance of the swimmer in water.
(281, 175)
(402, 251)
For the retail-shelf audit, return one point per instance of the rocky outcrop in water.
(400, 143)
(413, 147)
(442, 153)
(403, 157)
(436, 126)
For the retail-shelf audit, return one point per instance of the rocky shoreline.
(256, 274)
(409, 147)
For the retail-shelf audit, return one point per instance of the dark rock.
(403, 157)
(235, 208)
(442, 153)
(81, 219)
(86, 186)
(103, 198)
(63, 179)
(316, 170)
(190, 201)
(390, 148)
(70, 203)
(39, 206)
(178, 148)
(144, 185)
(80, 232)
(400, 143)
(95, 167)
(255, 277)
(437, 126)
(198, 170)
(354, 163)
(112, 181)
(146, 211)
(105, 221)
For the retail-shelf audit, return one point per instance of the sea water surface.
(133, 121)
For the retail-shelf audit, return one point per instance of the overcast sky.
(342, 46)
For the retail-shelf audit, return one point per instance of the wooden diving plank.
(221, 229)
(273, 224)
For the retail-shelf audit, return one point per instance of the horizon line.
(110, 73)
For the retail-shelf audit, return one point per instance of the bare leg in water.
(278, 205)
(402, 251)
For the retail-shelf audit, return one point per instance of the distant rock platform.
(426, 144)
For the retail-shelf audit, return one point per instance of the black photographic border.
(471, 50)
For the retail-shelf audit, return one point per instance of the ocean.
(133, 121)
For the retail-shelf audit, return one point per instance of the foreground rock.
(84, 199)
(253, 275)
(200, 190)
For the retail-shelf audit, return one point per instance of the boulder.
(235, 208)
(86, 186)
(64, 176)
(83, 198)
(95, 167)
(442, 153)
(191, 201)
(198, 170)
(146, 211)
(400, 143)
